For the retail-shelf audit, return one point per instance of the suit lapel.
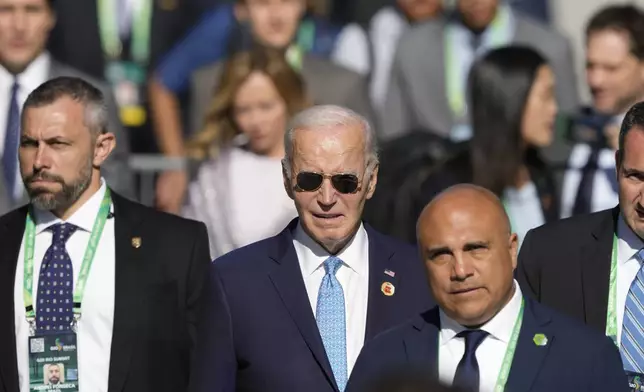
(381, 282)
(421, 345)
(129, 277)
(595, 270)
(11, 233)
(287, 279)
(529, 357)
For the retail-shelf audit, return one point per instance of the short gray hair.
(79, 90)
(324, 117)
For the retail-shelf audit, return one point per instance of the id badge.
(635, 381)
(53, 363)
(127, 79)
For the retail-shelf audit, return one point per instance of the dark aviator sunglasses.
(343, 182)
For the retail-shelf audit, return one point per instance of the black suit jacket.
(157, 297)
(76, 39)
(260, 332)
(566, 265)
(574, 358)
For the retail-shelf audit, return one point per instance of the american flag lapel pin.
(390, 273)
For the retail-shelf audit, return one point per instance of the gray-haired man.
(292, 312)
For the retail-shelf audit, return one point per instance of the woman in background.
(513, 109)
(238, 191)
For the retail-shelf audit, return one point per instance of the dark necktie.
(583, 200)
(467, 376)
(56, 283)
(11, 138)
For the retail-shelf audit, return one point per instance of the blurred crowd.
(481, 91)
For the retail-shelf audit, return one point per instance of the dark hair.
(499, 85)
(621, 18)
(634, 118)
(79, 91)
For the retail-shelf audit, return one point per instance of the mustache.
(44, 176)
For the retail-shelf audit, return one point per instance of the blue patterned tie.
(11, 140)
(467, 376)
(332, 321)
(55, 285)
(632, 344)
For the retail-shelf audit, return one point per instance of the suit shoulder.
(321, 65)
(575, 224)
(540, 32)
(419, 36)
(247, 257)
(18, 214)
(162, 221)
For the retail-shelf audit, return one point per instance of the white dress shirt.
(628, 244)
(603, 196)
(489, 354)
(33, 76)
(94, 338)
(353, 275)
(523, 206)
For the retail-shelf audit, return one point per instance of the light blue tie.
(632, 345)
(332, 321)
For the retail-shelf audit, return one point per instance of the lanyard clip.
(32, 325)
(75, 321)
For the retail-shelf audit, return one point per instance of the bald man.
(484, 333)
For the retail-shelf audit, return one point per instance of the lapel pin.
(388, 289)
(540, 339)
(390, 273)
(136, 242)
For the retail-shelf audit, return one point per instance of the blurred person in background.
(429, 76)
(372, 52)
(238, 191)
(24, 65)
(513, 111)
(615, 77)
(121, 41)
(485, 334)
(274, 23)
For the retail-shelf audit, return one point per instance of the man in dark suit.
(484, 335)
(24, 65)
(589, 266)
(136, 291)
(291, 313)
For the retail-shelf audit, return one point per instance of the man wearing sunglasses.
(292, 312)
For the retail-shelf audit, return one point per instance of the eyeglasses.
(343, 183)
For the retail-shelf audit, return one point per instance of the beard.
(65, 197)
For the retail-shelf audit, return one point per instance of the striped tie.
(632, 347)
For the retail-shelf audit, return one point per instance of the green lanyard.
(109, 29)
(455, 83)
(611, 314)
(504, 373)
(88, 258)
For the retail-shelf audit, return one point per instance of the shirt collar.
(628, 243)
(83, 218)
(355, 254)
(33, 76)
(500, 326)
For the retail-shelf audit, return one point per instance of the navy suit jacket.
(260, 333)
(575, 358)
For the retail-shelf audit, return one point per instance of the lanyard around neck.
(88, 258)
(109, 30)
(499, 31)
(611, 313)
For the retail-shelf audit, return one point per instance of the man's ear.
(105, 144)
(288, 187)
